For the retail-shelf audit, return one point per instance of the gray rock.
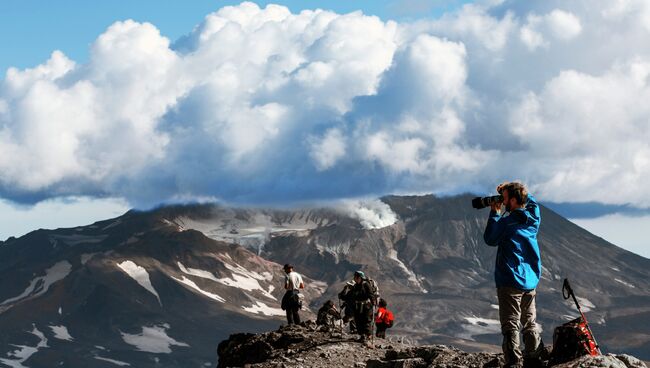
(631, 361)
(398, 363)
(604, 361)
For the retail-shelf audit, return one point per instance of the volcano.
(164, 287)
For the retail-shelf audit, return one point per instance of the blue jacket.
(519, 264)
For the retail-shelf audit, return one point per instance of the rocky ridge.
(307, 345)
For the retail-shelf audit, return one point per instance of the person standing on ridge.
(362, 297)
(517, 271)
(291, 300)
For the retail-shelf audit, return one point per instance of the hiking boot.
(533, 362)
(516, 364)
(539, 358)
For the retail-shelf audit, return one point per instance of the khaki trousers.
(517, 311)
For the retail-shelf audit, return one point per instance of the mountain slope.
(165, 286)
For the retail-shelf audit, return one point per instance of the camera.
(482, 202)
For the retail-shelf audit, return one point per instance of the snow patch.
(17, 357)
(153, 340)
(252, 230)
(194, 286)
(140, 275)
(476, 326)
(241, 278)
(318, 286)
(61, 333)
(196, 272)
(625, 283)
(412, 277)
(494, 306)
(86, 257)
(261, 308)
(113, 361)
(372, 214)
(335, 249)
(40, 285)
(585, 304)
(246, 280)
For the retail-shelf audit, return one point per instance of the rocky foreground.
(306, 345)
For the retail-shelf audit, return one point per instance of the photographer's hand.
(496, 207)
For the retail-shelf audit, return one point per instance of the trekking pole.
(568, 292)
(341, 320)
(372, 324)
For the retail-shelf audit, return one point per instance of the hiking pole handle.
(566, 289)
(567, 293)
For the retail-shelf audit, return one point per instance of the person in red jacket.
(384, 319)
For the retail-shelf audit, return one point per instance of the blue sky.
(113, 105)
(30, 30)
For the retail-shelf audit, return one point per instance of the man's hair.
(382, 303)
(517, 191)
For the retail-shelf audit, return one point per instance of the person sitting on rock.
(348, 306)
(384, 319)
(291, 300)
(328, 315)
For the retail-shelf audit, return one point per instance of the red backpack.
(574, 338)
(385, 316)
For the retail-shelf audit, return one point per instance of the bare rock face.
(604, 361)
(434, 356)
(306, 345)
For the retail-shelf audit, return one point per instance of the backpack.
(374, 291)
(389, 319)
(385, 317)
(572, 340)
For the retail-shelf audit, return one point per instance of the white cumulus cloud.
(558, 24)
(265, 105)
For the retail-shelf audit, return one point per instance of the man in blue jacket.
(518, 270)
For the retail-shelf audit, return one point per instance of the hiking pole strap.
(567, 292)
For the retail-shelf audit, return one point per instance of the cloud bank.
(261, 105)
